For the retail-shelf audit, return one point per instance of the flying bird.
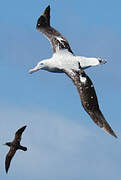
(14, 146)
(63, 55)
(64, 60)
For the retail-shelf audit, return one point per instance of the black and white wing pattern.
(9, 157)
(57, 40)
(89, 98)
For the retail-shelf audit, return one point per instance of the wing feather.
(9, 157)
(57, 40)
(19, 132)
(88, 98)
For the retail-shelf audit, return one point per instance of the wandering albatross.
(14, 146)
(64, 60)
(62, 52)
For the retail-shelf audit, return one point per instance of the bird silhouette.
(14, 146)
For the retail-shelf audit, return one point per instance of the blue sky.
(63, 142)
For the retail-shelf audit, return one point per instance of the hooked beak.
(33, 70)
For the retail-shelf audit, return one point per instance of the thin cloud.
(57, 147)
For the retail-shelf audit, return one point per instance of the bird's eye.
(41, 63)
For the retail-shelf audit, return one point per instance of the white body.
(66, 60)
(63, 59)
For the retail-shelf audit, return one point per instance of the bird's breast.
(64, 62)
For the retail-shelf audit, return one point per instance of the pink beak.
(33, 70)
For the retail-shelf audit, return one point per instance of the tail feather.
(99, 119)
(102, 61)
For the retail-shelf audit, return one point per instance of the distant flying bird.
(64, 60)
(14, 146)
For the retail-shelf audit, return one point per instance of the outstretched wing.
(88, 98)
(9, 157)
(57, 40)
(18, 133)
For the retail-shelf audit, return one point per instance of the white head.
(40, 65)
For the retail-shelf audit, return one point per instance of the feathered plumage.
(14, 146)
(57, 40)
(88, 97)
(64, 60)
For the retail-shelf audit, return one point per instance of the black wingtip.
(47, 8)
(24, 127)
(106, 127)
(44, 19)
(115, 136)
(46, 11)
(111, 132)
(20, 130)
(6, 169)
(99, 119)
